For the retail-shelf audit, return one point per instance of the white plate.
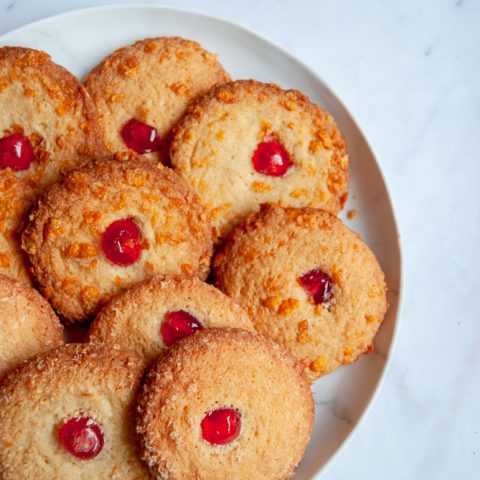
(79, 40)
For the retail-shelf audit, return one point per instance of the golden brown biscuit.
(142, 90)
(110, 225)
(307, 281)
(158, 312)
(48, 126)
(69, 414)
(223, 404)
(245, 143)
(28, 324)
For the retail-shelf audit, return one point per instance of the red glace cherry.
(121, 242)
(271, 158)
(178, 325)
(221, 426)
(16, 152)
(318, 284)
(82, 437)
(140, 137)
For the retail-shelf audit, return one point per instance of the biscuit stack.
(122, 206)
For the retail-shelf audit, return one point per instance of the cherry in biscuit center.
(317, 284)
(141, 137)
(177, 325)
(16, 152)
(82, 437)
(121, 242)
(222, 426)
(271, 158)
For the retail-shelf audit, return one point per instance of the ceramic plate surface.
(79, 40)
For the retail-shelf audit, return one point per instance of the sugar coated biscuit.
(307, 281)
(28, 325)
(110, 225)
(223, 404)
(69, 414)
(142, 90)
(48, 126)
(245, 143)
(156, 313)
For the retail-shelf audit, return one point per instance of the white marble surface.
(406, 70)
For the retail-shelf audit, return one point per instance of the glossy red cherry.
(16, 152)
(271, 158)
(82, 437)
(178, 325)
(121, 242)
(318, 284)
(221, 426)
(141, 137)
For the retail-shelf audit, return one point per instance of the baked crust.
(261, 263)
(133, 319)
(213, 145)
(46, 103)
(28, 325)
(225, 368)
(63, 237)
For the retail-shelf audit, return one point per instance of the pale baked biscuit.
(151, 81)
(42, 402)
(48, 117)
(156, 313)
(223, 404)
(28, 324)
(245, 143)
(146, 215)
(307, 281)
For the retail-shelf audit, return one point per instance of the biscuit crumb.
(351, 214)
(288, 306)
(319, 365)
(260, 187)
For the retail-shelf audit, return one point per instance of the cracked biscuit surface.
(220, 369)
(28, 325)
(69, 240)
(153, 81)
(44, 104)
(74, 381)
(136, 319)
(307, 281)
(245, 143)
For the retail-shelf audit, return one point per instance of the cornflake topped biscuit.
(153, 315)
(48, 126)
(111, 224)
(245, 143)
(307, 281)
(142, 90)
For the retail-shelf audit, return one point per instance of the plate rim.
(246, 30)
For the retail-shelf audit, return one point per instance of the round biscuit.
(133, 319)
(260, 267)
(225, 368)
(214, 144)
(74, 380)
(153, 81)
(63, 237)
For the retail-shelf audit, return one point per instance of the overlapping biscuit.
(152, 82)
(223, 404)
(245, 143)
(28, 325)
(307, 281)
(69, 414)
(110, 225)
(158, 312)
(49, 125)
